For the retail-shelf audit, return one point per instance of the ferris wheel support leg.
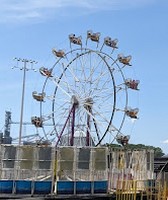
(88, 127)
(64, 126)
(73, 124)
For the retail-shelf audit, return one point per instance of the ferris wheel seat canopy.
(60, 53)
(93, 36)
(121, 139)
(75, 40)
(38, 96)
(133, 84)
(132, 112)
(120, 136)
(45, 72)
(124, 59)
(111, 43)
(37, 121)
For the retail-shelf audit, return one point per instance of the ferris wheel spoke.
(83, 62)
(62, 106)
(104, 89)
(77, 67)
(76, 85)
(71, 72)
(56, 83)
(106, 96)
(98, 122)
(98, 80)
(66, 86)
(102, 92)
(106, 120)
(111, 125)
(90, 77)
(98, 92)
(101, 116)
(93, 69)
(64, 82)
(60, 113)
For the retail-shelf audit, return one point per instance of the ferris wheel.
(85, 96)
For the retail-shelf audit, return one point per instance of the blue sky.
(31, 28)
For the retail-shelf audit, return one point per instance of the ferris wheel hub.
(88, 102)
(74, 100)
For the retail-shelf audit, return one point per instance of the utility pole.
(25, 69)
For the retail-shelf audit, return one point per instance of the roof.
(161, 164)
(165, 156)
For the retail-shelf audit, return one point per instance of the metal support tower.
(25, 69)
(7, 123)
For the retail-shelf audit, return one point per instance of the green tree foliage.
(157, 150)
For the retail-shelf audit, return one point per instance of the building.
(161, 168)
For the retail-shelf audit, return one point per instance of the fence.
(75, 170)
(81, 170)
(26, 169)
(44, 169)
(129, 165)
(138, 189)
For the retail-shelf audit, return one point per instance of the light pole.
(24, 68)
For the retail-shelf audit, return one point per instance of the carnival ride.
(85, 93)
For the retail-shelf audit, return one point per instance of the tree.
(157, 150)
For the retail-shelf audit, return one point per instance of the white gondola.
(60, 53)
(132, 112)
(124, 59)
(111, 43)
(38, 96)
(45, 72)
(75, 40)
(133, 84)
